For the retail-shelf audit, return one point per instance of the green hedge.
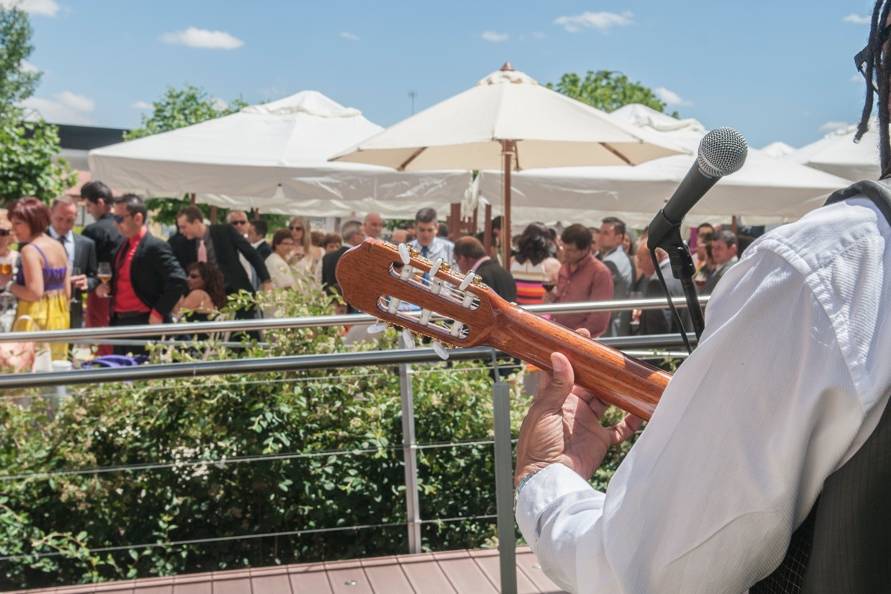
(208, 419)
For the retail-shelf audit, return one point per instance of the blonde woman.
(302, 235)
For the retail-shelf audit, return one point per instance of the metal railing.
(401, 358)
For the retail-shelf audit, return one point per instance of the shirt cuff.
(540, 492)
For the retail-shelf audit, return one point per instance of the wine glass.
(75, 290)
(104, 273)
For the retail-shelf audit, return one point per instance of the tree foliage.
(607, 90)
(17, 82)
(178, 108)
(29, 148)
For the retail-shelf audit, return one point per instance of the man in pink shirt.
(582, 278)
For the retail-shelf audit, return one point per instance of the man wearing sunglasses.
(146, 281)
(767, 464)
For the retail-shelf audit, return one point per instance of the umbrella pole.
(508, 147)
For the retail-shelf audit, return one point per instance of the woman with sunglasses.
(302, 235)
(42, 282)
(206, 296)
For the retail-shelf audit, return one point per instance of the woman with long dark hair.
(206, 296)
(533, 267)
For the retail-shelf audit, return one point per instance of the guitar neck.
(610, 375)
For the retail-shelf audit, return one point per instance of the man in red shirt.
(147, 280)
(582, 277)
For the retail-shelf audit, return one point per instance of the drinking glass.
(104, 273)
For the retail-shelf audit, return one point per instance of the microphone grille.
(722, 152)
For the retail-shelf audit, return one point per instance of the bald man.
(373, 225)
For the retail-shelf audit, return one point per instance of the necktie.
(202, 251)
(425, 251)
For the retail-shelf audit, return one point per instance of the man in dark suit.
(256, 235)
(81, 255)
(220, 245)
(147, 281)
(470, 255)
(353, 235)
(104, 233)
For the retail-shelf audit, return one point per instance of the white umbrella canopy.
(264, 156)
(767, 188)
(836, 153)
(778, 150)
(507, 121)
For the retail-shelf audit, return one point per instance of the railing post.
(504, 488)
(410, 459)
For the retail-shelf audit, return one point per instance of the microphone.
(721, 152)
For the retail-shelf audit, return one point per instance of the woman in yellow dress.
(42, 282)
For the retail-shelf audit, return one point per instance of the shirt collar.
(138, 237)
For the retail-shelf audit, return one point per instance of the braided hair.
(875, 66)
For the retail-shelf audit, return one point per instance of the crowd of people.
(116, 273)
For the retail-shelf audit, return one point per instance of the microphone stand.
(682, 268)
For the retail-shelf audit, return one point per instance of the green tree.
(29, 161)
(179, 108)
(607, 90)
(17, 82)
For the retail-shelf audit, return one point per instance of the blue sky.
(778, 70)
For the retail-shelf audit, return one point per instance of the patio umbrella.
(836, 153)
(508, 122)
(766, 189)
(266, 156)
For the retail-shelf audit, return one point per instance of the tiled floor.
(448, 572)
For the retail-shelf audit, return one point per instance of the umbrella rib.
(408, 161)
(616, 153)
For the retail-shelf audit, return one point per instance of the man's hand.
(267, 286)
(79, 281)
(155, 318)
(563, 426)
(103, 290)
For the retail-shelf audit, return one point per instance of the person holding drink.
(42, 283)
(81, 255)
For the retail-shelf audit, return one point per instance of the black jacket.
(264, 249)
(105, 234)
(85, 261)
(227, 244)
(157, 278)
(500, 280)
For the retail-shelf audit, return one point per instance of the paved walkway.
(448, 572)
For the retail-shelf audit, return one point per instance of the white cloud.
(856, 78)
(202, 38)
(857, 19)
(41, 7)
(63, 108)
(495, 37)
(670, 98)
(142, 105)
(834, 126)
(29, 67)
(348, 36)
(595, 20)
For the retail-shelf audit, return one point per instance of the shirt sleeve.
(601, 290)
(731, 462)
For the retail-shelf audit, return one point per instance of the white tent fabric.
(463, 132)
(767, 188)
(266, 156)
(778, 150)
(836, 153)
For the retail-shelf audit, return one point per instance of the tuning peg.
(440, 350)
(468, 278)
(404, 254)
(407, 339)
(425, 317)
(435, 268)
(456, 328)
(377, 327)
(393, 305)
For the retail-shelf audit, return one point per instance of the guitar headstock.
(395, 284)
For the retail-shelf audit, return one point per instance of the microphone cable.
(674, 312)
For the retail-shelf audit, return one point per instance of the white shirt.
(69, 243)
(438, 248)
(789, 380)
